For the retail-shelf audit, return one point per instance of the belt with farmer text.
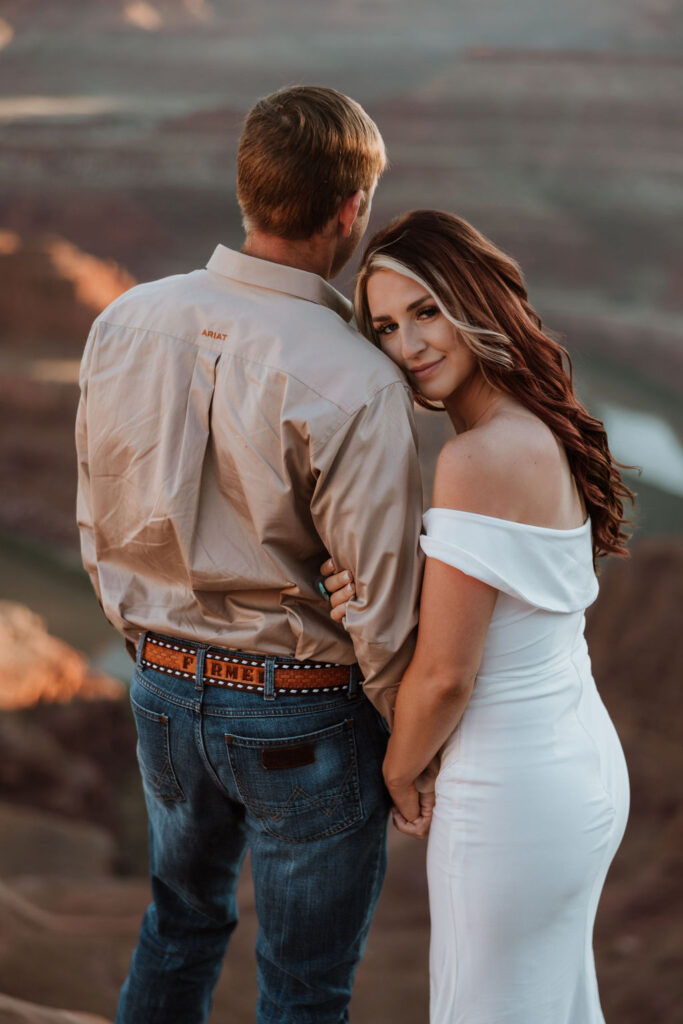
(241, 670)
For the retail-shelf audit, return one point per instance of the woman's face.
(414, 333)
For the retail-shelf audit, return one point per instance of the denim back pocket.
(154, 753)
(300, 787)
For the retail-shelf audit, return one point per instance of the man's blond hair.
(303, 151)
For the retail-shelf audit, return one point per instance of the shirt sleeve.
(83, 499)
(367, 509)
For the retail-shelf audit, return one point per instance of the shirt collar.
(279, 278)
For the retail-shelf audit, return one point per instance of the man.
(234, 427)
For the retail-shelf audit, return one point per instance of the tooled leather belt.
(242, 670)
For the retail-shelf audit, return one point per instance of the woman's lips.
(426, 369)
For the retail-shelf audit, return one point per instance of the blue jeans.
(215, 785)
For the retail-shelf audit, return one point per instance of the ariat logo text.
(214, 334)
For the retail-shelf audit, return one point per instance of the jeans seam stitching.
(166, 772)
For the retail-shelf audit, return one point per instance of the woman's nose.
(411, 344)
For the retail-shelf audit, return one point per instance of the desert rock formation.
(52, 291)
(35, 666)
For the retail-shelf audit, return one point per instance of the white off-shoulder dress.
(532, 795)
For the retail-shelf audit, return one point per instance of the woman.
(532, 791)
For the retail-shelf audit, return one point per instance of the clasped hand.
(412, 811)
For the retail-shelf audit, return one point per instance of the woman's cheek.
(392, 352)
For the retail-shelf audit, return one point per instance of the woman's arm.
(455, 611)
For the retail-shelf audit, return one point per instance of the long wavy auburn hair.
(481, 291)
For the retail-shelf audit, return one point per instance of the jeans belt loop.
(199, 670)
(353, 682)
(269, 679)
(141, 647)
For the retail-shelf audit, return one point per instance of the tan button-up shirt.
(233, 428)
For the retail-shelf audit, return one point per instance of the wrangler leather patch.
(279, 758)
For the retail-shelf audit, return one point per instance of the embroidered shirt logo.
(214, 334)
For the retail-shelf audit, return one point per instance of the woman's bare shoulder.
(497, 469)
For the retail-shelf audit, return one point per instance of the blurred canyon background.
(554, 128)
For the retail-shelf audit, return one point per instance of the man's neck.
(316, 254)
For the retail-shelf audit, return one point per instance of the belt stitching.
(240, 661)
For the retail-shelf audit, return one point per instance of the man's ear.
(348, 211)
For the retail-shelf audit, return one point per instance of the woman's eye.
(427, 312)
(385, 329)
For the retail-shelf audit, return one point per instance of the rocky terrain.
(556, 133)
(73, 855)
(35, 666)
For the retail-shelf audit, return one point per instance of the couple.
(234, 427)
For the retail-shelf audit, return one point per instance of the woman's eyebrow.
(413, 305)
(418, 302)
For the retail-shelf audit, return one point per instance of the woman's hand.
(419, 828)
(340, 586)
(412, 811)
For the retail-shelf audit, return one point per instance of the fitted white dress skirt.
(532, 796)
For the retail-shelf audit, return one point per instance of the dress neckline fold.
(511, 522)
